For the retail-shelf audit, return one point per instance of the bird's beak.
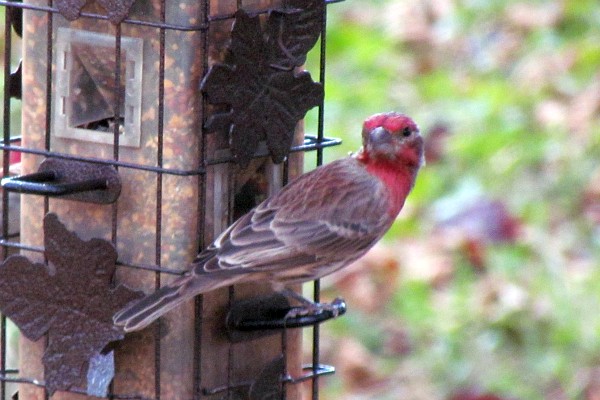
(380, 139)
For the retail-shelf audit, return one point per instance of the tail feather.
(141, 313)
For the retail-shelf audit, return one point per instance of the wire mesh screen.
(142, 113)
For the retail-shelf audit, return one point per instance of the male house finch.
(317, 224)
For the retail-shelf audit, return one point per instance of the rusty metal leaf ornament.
(292, 32)
(70, 9)
(268, 384)
(72, 300)
(117, 9)
(260, 83)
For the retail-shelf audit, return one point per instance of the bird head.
(392, 138)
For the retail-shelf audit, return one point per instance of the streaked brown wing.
(323, 217)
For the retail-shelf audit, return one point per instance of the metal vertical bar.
(6, 127)
(46, 393)
(285, 179)
(286, 172)
(6, 165)
(48, 115)
(49, 77)
(3, 353)
(118, 101)
(198, 306)
(159, 190)
(284, 350)
(322, 59)
(47, 141)
(230, 354)
(316, 345)
(320, 135)
(114, 207)
(230, 360)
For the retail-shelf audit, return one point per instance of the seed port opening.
(87, 90)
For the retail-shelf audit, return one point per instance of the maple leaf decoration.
(72, 300)
(258, 80)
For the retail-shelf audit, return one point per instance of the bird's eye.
(406, 132)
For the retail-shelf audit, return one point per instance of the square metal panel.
(85, 88)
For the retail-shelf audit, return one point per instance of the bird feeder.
(147, 128)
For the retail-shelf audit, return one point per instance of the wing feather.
(313, 220)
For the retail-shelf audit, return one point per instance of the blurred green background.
(488, 285)
(489, 282)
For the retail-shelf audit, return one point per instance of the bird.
(320, 222)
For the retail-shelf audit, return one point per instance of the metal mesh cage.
(144, 115)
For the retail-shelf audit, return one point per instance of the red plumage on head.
(391, 121)
(398, 145)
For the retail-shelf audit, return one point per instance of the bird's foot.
(255, 316)
(309, 308)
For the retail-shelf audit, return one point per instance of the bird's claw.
(311, 309)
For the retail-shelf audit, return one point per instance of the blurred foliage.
(493, 263)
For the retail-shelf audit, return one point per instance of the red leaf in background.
(592, 388)
(435, 143)
(369, 282)
(474, 394)
(356, 365)
(481, 222)
(396, 340)
(591, 199)
(484, 220)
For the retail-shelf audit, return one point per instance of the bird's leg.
(309, 307)
(290, 294)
